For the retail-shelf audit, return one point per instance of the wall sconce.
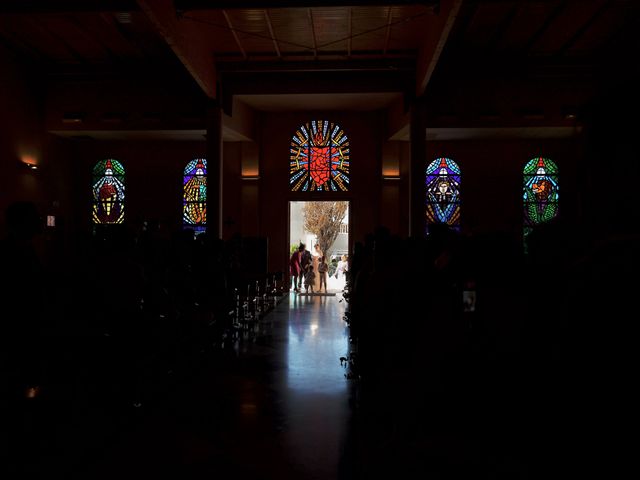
(29, 162)
(249, 161)
(391, 177)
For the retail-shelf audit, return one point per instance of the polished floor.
(273, 407)
(280, 405)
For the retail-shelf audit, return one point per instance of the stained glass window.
(540, 192)
(443, 193)
(108, 192)
(194, 199)
(319, 158)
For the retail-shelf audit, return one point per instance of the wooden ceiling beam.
(403, 65)
(127, 69)
(274, 83)
(273, 36)
(387, 32)
(350, 20)
(435, 39)
(191, 5)
(587, 25)
(545, 26)
(235, 34)
(508, 67)
(504, 25)
(11, 41)
(313, 34)
(188, 41)
(88, 35)
(73, 53)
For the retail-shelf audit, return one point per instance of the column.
(417, 169)
(214, 169)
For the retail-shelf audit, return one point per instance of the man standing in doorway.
(294, 269)
(305, 261)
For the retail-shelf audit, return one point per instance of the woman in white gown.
(316, 255)
(337, 280)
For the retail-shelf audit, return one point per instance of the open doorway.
(326, 224)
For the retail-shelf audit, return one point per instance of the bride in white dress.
(316, 255)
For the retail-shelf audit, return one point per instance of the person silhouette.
(305, 261)
(316, 255)
(323, 268)
(294, 268)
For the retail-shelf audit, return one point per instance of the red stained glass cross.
(320, 164)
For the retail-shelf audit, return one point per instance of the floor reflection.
(317, 410)
(316, 341)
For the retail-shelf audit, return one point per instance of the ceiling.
(52, 39)
(539, 28)
(312, 33)
(282, 55)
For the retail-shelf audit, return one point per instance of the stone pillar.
(214, 169)
(417, 170)
(250, 190)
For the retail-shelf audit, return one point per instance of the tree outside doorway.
(325, 220)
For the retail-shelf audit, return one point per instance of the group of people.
(310, 269)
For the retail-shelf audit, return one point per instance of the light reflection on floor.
(317, 397)
(316, 341)
(334, 285)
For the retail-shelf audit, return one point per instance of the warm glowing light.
(30, 161)
(250, 164)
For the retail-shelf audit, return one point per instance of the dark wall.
(23, 140)
(612, 151)
(232, 204)
(21, 134)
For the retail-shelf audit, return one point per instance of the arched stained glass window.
(319, 155)
(194, 198)
(443, 192)
(540, 192)
(108, 192)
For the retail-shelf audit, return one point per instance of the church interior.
(149, 154)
